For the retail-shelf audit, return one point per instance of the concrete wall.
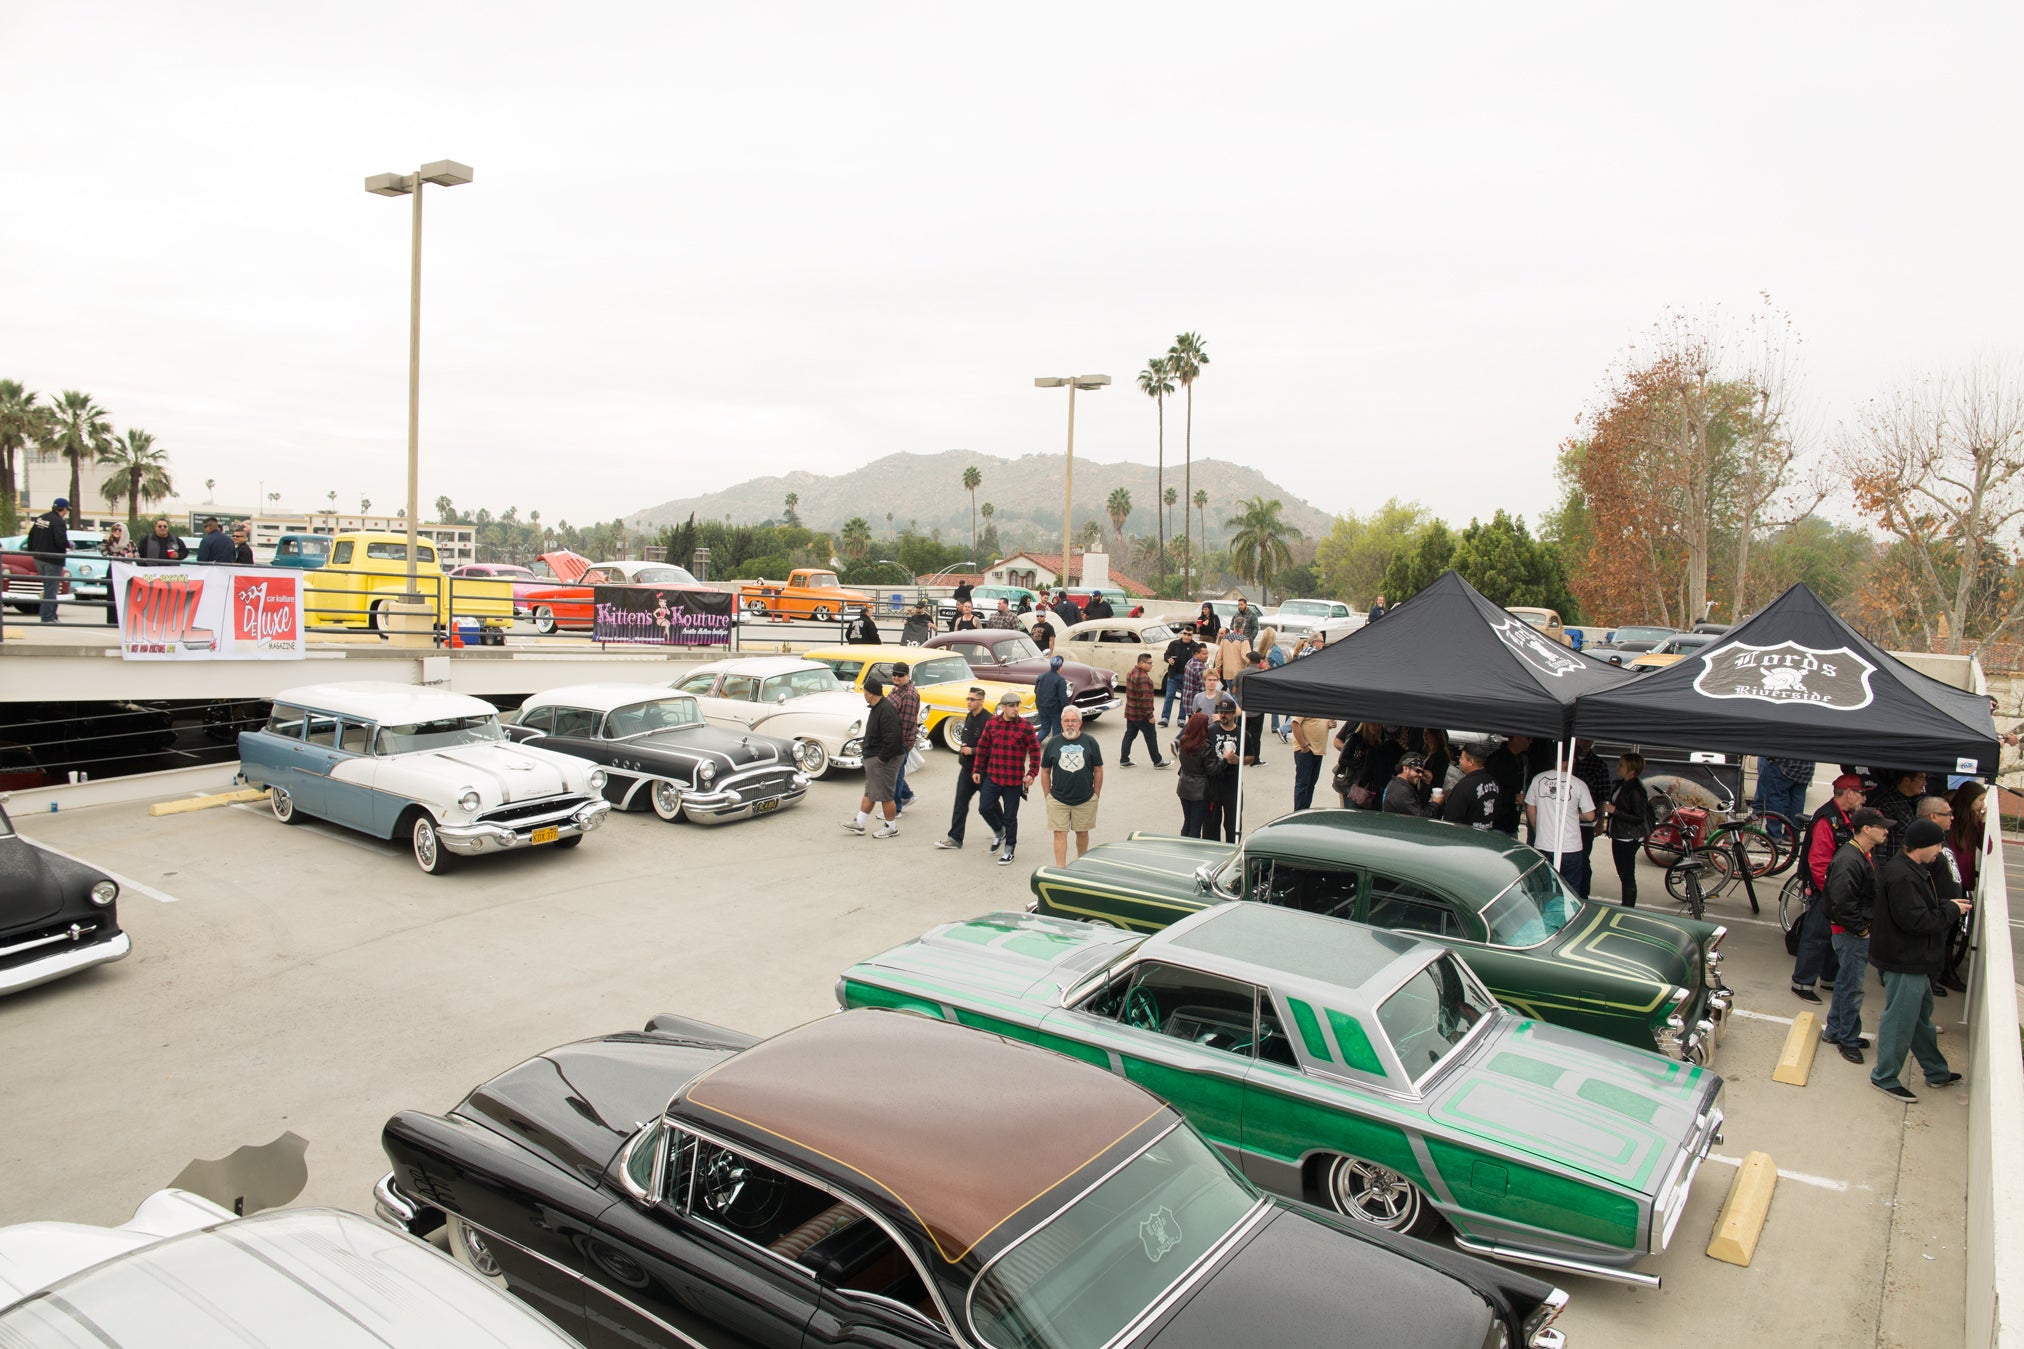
(1996, 1106)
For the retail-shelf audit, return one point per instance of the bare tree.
(1939, 464)
(1767, 489)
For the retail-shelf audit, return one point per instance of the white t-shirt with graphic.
(1544, 797)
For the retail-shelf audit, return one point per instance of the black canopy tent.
(1446, 657)
(1796, 682)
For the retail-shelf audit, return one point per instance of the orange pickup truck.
(808, 592)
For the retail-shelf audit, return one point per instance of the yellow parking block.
(1744, 1211)
(206, 802)
(1795, 1061)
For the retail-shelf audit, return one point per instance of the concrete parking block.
(1744, 1212)
(1795, 1060)
(188, 804)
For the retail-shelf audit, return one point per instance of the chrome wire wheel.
(283, 805)
(430, 854)
(469, 1246)
(821, 613)
(1377, 1195)
(814, 759)
(666, 797)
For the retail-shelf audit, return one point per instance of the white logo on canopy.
(1836, 679)
(1542, 655)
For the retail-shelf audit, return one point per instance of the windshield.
(799, 684)
(446, 733)
(1431, 1013)
(1095, 1267)
(304, 548)
(943, 670)
(663, 575)
(662, 714)
(1015, 648)
(1642, 634)
(6, 825)
(1531, 909)
(398, 552)
(1158, 632)
(1537, 620)
(1694, 641)
(1304, 608)
(816, 580)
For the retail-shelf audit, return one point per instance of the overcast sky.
(708, 242)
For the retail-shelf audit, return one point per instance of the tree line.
(73, 426)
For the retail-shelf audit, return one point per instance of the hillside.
(926, 491)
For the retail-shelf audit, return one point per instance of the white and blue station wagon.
(436, 769)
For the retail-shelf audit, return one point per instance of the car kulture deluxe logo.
(1837, 679)
(263, 610)
(161, 613)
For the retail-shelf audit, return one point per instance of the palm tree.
(1185, 360)
(1156, 381)
(140, 472)
(1259, 545)
(364, 505)
(1201, 514)
(21, 421)
(856, 538)
(972, 480)
(1119, 510)
(209, 483)
(793, 503)
(274, 498)
(78, 428)
(1168, 498)
(443, 510)
(1090, 533)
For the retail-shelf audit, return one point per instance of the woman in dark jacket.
(1207, 625)
(1356, 743)
(1432, 744)
(1964, 841)
(1191, 757)
(1629, 816)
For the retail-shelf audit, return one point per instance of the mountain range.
(925, 492)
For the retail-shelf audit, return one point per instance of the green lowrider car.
(1342, 1065)
(1644, 978)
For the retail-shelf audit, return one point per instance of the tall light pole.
(1073, 382)
(443, 173)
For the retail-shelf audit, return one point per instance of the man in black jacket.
(1507, 764)
(974, 717)
(49, 541)
(1098, 607)
(884, 749)
(162, 546)
(1908, 944)
(1852, 898)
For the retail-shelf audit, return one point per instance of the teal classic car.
(1633, 975)
(1342, 1065)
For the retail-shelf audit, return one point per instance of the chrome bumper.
(723, 807)
(1563, 1263)
(1097, 709)
(482, 837)
(64, 961)
(403, 1214)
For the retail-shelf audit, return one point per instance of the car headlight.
(856, 728)
(103, 893)
(597, 779)
(707, 771)
(468, 799)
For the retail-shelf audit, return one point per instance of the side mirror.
(782, 700)
(1204, 878)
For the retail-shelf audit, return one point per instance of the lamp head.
(390, 184)
(1049, 382)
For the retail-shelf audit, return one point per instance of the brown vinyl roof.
(962, 1128)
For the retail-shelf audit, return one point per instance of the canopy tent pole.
(1560, 798)
(1240, 774)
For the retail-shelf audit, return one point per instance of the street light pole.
(1073, 382)
(443, 173)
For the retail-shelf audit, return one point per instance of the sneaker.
(1161, 763)
(949, 843)
(890, 829)
(1124, 763)
(853, 826)
(997, 843)
(1896, 1092)
(1164, 723)
(1861, 1041)
(1851, 1053)
(1949, 1080)
(1005, 858)
(1805, 994)
(1939, 989)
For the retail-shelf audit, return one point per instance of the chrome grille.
(527, 810)
(24, 946)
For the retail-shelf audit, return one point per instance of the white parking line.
(125, 882)
(1818, 1182)
(1748, 1015)
(333, 832)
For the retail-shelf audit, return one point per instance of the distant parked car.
(307, 551)
(800, 700)
(436, 769)
(368, 571)
(24, 582)
(57, 917)
(522, 579)
(185, 1272)
(984, 600)
(1675, 648)
(1632, 639)
(943, 678)
(1010, 657)
(554, 607)
(1295, 619)
(1547, 621)
(1114, 643)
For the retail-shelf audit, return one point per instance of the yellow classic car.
(1675, 648)
(367, 571)
(943, 678)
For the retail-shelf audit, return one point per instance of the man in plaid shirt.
(1140, 698)
(906, 700)
(1006, 761)
(1191, 678)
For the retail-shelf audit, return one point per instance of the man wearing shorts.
(1071, 778)
(884, 751)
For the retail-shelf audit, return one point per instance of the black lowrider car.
(880, 1178)
(56, 916)
(658, 751)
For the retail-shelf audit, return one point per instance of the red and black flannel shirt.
(1008, 752)
(907, 702)
(1139, 695)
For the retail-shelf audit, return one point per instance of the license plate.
(548, 835)
(761, 807)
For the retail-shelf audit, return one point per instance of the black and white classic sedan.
(56, 916)
(657, 751)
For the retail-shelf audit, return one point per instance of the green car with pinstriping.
(1647, 979)
(1343, 1065)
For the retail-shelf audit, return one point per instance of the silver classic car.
(787, 696)
(434, 768)
(658, 752)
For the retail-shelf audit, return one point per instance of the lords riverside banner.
(646, 615)
(208, 613)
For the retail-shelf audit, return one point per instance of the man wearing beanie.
(1050, 695)
(1852, 900)
(1908, 944)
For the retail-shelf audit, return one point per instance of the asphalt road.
(312, 981)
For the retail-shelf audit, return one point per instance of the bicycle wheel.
(1717, 870)
(1787, 833)
(1763, 851)
(1665, 844)
(1791, 903)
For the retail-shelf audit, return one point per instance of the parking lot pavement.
(313, 980)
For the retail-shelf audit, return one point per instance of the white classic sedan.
(1114, 643)
(785, 696)
(436, 769)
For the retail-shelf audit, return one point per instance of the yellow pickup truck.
(368, 571)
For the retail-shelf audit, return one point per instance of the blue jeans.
(902, 793)
(1816, 947)
(1134, 729)
(1193, 815)
(1775, 793)
(1907, 1025)
(1574, 870)
(999, 808)
(1173, 691)
(1049, 724)
(1844, 1014)
(1306, 774)
(52, 581)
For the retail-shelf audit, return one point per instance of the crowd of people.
(48, 542)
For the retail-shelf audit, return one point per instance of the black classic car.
(56, 916)
(658, 751)
(1012, 658)
(880, 1178)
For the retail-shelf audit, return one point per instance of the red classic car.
(569, 606)
(524, 581)
(1010, 657)
(24, 584)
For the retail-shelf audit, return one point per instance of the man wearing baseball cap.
(1832, 825)
(883, 752)
(48, 542)
(1004, 766)
(1853, 892)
